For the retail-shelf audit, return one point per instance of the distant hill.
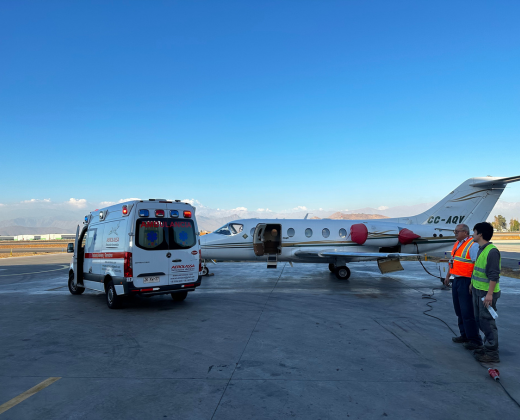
(210, 224)
(28, 230)
(66, 225)
(356, 216)
(353, 216)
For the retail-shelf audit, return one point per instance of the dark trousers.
(485, 321)
(463, 304)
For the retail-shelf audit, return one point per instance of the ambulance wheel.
(74, 290)
(113, 301)
(342, 273)
(179, 296)
(205, 271)
(332, 268)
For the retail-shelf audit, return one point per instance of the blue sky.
(257, 104)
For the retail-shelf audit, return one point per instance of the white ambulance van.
(137, 248)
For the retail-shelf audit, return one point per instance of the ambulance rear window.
(151, 234)
(183, 234)
(160, 234)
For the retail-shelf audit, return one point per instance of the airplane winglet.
(497, 182)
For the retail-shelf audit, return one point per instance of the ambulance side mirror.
(70, 248)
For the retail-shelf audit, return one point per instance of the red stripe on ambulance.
(105, 255)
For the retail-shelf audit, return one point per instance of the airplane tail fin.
(469, 203)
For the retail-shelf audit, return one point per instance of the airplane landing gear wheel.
(332, 268)
(205, 271)
(342, 273)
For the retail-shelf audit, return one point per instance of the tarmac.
(250, 343)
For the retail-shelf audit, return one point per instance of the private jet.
(339, 242)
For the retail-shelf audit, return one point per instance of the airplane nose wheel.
(205, 271)
(342, 273)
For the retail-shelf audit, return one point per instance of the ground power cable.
(433, 300)
(249, 339)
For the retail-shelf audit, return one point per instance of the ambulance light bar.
(174, 213)
(159, 213)
(144, 213)
(187, 213)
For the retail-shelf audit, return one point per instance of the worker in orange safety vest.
(463, 256)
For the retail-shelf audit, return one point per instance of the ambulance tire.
(342, 273)
(74, 290)
(332, 268)
(179, 296)
(205, 271)
(113, 301)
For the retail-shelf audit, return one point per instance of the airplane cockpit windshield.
(230, 229)
(224, 230)
(236, 228)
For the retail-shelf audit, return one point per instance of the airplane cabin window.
(290, 232)
(342, 233)
(325, 232)
(308, 232)
(236, 228)
(223, 230)
(252, 231)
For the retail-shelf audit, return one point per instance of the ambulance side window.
(93, 243)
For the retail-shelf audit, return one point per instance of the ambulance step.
(271, 261)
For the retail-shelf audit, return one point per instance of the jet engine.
(381, 234)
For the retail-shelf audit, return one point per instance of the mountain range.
(42, 218)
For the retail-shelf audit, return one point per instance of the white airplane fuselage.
(338, 242)
(382, 236)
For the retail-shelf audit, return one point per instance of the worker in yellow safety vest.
(463, 256)
(485, 288)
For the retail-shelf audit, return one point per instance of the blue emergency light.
(86, 219)
(174, 213)
(144, 213)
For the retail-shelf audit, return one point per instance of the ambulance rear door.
(151, 254)
(184, 246)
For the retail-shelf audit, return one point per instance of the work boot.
(460, 339)
(478, 351)
(486, 358)
(471, 345)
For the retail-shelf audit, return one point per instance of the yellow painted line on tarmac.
(29, 393)
(35, 272)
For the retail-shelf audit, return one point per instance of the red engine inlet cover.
(406, 236)
(359, 233)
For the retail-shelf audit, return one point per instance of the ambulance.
(143, 247)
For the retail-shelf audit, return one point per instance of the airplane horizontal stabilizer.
(497, 182)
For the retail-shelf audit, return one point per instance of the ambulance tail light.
(187, 214)
(128, 270)
(159, 213)
(200, 261)
(125, 210)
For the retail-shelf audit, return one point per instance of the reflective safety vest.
(462, 265)
(479, 279)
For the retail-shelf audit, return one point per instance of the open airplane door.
(75, 258)
(258, 239)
